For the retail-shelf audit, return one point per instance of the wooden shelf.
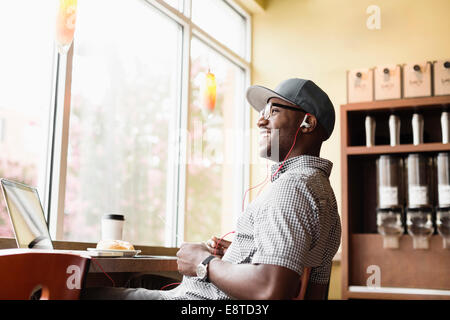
(396, 294)
(398, 281)
(405, 148)
(405, 273)
(397, 103)
(353, 125)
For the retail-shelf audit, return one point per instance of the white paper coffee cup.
(112, 226)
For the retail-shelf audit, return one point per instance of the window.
(210, 210)
(177, 4)
(124, 106)
(26, 64)
(107, 127)
(222, 21)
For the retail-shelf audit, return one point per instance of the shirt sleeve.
(284, 230)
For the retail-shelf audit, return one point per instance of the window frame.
(176, 189)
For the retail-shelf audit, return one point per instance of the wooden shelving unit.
(405, 273)
(406, 148)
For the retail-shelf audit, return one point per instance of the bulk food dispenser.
(390, 199)
(419, 212)
(443, 207)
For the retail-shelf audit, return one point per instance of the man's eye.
(275, 110)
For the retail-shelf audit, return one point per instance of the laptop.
(28, 219)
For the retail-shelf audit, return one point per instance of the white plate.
(125, 253)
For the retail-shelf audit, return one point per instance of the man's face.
(278, 132)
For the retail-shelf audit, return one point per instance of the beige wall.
(321, 39)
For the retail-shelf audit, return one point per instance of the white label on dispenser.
(388, 196)
(444, 195)
(418, 195)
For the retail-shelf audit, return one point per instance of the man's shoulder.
(294, 188)
(309, 184)
(302, 177)
(292, 181)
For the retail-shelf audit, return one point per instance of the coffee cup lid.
(114, 217)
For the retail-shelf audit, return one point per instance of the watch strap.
(207, 260)
(205, 263)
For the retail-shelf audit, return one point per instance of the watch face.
(201, 271)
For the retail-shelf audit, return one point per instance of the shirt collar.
(302, 161)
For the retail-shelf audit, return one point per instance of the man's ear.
(305, 123)
(309, 123)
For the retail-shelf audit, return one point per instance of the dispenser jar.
(443, 225)
(443, 207)
(390, 226)
(419, 178)
(419, 213)
(389, 182)
(419, 223)
(390, 199)
(443, 179)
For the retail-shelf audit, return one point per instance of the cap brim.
(258, 97)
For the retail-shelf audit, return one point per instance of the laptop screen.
(27, 215)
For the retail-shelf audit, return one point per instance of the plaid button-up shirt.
(294, 223)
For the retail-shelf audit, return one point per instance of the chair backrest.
(311, 291)
(41, 275)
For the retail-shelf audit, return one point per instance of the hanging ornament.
(65, 24)
(208, 92)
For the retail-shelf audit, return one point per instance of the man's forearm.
(241, 281)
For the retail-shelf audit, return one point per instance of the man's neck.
(303, 151)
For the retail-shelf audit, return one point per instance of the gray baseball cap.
(303, 93)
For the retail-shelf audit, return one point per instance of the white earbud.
(304, 123)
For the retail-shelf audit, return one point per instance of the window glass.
(27, 33)
(177, 4)
(125, 93)
(221, 21)
(212, 154)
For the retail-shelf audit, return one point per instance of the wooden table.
(147, 264)
(123, 269)
(120, 269)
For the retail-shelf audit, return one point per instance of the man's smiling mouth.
(264, 133)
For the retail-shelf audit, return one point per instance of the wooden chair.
(311, 291)
(34, 274)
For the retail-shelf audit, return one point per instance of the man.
(292, 224)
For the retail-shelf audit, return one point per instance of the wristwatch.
(202, 268)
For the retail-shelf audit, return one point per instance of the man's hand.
(217, 246)
(189, 256)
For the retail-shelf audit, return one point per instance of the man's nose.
(261, 121)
